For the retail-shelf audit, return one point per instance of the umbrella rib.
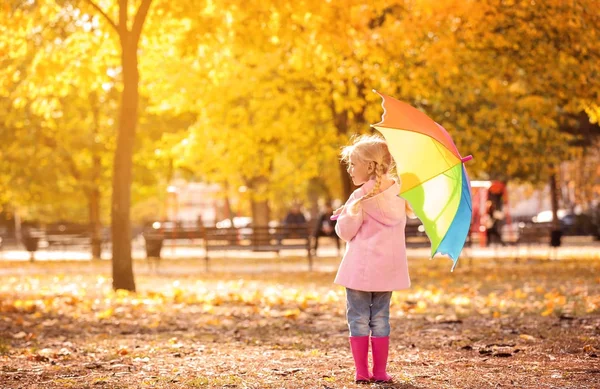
(432, 177)
(455, 191)
(437, 145)
(418, 132)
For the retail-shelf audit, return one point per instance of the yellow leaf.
(520, 294)
(539, 289)
(105, 314)
(213, 322)
(291, 313)
(122, 293)
(421, 307)
(548, 311)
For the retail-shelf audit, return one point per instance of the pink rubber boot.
(360, 352)
(380, 349)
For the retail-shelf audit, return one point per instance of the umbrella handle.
(467, 158)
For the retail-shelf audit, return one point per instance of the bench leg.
(157, 265)
(206, 256)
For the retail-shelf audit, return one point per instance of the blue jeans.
(368, 313)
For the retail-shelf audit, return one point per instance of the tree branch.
(123, 5)
(140, 18)
(108, 19)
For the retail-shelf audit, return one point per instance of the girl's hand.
(336, 213)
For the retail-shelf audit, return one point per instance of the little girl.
(372, 222)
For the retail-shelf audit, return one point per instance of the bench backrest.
(278, 233)
(534, 233)
(412, 230)
(174, 233)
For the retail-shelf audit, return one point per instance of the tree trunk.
(169, 180)
(554, 200)
(340, 120)
(260, 205)
(260, 219)
(18, 227)
(225, 212)
(555, 233)
(314, 190)
(260, 213)
(95, 224)
(122, 265)
(94, 189)
(228, 211)
(346, 181)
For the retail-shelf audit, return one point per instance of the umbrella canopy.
(433, 178)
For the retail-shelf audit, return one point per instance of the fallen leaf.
(588, 348)
(526, 337)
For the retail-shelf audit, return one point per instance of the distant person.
(325, 227)
(372, 222)
(492, 224)
(295, 220)
(294, 217)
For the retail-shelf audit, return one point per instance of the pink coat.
(375, 257)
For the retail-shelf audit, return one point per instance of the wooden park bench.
(531, 234)
(63, 236)
(538, 235)
(415, 235)
(256, 239)
(155, 237)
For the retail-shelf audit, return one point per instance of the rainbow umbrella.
(434, 180)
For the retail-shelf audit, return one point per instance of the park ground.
(269, 323)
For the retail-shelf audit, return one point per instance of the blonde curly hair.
(372, 149)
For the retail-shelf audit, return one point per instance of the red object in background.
(481, 192)
(497, 187)
(478, 198)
